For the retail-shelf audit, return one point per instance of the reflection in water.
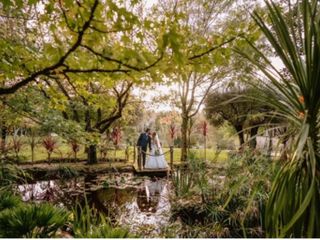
(149, 196)
(130, 204)
(151, 208)
(53, 190)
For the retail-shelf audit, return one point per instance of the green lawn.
(63, 150)
(211, 154)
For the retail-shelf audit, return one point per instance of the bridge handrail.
(155, 155)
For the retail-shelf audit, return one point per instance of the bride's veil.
(157, 141)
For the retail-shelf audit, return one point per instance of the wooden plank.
(152, 172)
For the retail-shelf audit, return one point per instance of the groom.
(143, 142)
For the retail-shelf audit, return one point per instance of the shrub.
(50, 144)
(17, 145)
(75, 147)
(5, 148)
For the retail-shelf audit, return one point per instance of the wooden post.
(171, 157)
(127, 153)
(139, 158)
(134, 154)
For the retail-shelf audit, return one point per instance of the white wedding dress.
(156, 159)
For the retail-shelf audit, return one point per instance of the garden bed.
(70, 160)
(44, 171)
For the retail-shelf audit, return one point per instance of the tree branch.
(95, 70)
(203, 98)
(138, 69)
(121, 102)
(48, 70)
(19, 112)
(212, 49)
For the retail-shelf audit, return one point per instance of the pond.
(138, 203)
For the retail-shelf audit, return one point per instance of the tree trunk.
(92, 154)
(32, 154)
(253, 137)
(184, 139)
(4, 133)
(49, 158)
(190, 125)
(239, 130)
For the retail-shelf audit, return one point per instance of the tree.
(61, 39)
(107, 45)
(190, 105)
(9, 120)
(193, 69)
(201, 52)
(240, 113)
(78, 115)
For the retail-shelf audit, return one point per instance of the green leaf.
(6, 3)
(32, 2)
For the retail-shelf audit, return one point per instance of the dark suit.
(143, 142)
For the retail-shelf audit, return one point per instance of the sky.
(148, 96)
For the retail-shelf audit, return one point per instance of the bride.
(156, 159)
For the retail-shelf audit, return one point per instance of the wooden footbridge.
(140, 170)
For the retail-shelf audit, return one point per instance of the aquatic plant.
(234, 209)
(88, 223)
(10, 174)
(182, 182)
(240, 207)
(200, 169)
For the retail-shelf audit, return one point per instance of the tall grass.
(10, 174)
(89, 223)
(231, 206)
(293, 207)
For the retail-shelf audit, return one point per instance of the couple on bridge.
(156, 159)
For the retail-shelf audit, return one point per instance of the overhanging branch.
(48, 70)
(135, 68)
(212, 49)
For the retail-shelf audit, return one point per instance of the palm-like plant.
(293, 207)
(32, 221)
(50, 144)
(8, 200)
(75, 148)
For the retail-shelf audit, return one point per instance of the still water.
(139, 203)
